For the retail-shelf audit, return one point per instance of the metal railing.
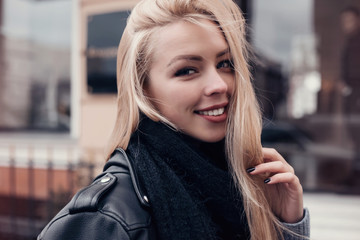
(35, 183)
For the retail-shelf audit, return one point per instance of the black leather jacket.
(114, 206)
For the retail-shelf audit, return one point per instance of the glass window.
(102, 44)
(308, 82)
(35, 65)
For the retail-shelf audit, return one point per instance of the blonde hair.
(244, 124)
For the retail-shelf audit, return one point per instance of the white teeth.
(215, 112)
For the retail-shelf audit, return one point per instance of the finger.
(287, 177)
(270, 154)
(271, 167)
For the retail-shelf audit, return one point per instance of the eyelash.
(228, 62)
(186, 70)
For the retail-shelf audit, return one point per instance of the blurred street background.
(58, 96)
(333, 216)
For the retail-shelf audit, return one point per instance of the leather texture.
(114, 206)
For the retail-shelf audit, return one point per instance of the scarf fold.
(191, 192)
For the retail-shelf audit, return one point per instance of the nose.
(215, 84)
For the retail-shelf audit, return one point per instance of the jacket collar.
(120, 159)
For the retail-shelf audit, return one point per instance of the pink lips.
(215, 119)
(213, 107)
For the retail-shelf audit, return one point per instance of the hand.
(284, 188)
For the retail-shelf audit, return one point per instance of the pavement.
(333, 216)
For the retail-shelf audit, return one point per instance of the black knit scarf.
(191, 193)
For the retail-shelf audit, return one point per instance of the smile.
(214, 112)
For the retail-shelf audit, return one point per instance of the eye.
(185, 71)
(227, 64)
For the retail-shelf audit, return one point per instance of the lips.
(215, 113)
(213, 108)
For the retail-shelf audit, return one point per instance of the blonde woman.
(185, 156)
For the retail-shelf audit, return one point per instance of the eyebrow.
(222, 53)
(195, 57)
(185, 57)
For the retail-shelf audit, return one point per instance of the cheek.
(177, 104)
(230, 82)
(167, 98)
(231, 85)
(177, 100)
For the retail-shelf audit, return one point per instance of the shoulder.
(109, 207)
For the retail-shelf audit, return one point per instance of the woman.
(193, 166)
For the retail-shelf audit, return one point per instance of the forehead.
(184, 37)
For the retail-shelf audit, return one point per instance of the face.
(191, 79)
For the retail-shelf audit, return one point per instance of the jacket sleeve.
(85, 218)
(107, 209)
(301, 228)
(84, 226)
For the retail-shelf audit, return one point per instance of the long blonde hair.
(242, 140)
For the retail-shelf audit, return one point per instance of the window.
(308, 82)
(35, 66)
(102, 44)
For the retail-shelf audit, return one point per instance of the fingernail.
(267, 180)
(249, 170)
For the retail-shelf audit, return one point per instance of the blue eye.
(226, 64)
(184, 72)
